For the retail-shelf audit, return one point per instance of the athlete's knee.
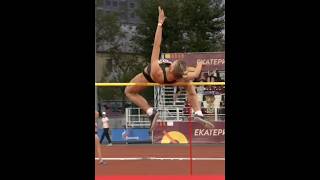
(127, 91)
(191, 93)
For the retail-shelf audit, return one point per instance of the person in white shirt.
(106, 126)
(98, 146)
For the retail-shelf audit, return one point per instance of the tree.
(191, 26)
(120, 66)
(108, 30)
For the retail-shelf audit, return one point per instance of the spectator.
(106, 126)
(98, 146)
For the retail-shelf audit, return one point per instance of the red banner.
(211, 60)
(179, 133)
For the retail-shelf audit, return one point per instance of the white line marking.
(155, 158)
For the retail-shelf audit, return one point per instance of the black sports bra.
(163, 64)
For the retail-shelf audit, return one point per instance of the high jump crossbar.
(157, 84)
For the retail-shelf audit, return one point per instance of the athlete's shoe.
(202, 120)
(153, 119)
